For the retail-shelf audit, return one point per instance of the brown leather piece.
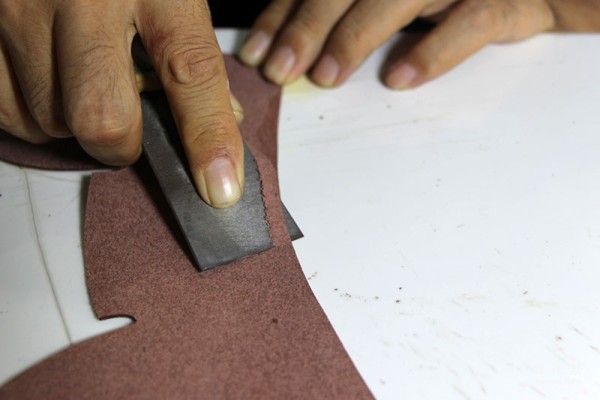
(251, 329)
(62, 155)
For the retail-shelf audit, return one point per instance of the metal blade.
(214, 236)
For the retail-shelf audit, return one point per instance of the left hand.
(334, 37)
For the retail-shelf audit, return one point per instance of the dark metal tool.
(214, 236)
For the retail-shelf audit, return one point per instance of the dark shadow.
(235, 13)
(85, 187)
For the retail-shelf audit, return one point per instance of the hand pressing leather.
(332, 38)
(66, 70)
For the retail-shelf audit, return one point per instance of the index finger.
(181, 43)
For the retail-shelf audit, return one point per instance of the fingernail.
(326, 71)
(238, 110)
(255, 48)
(402, 77)
(280, 64)
(222, 185)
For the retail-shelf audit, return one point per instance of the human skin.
(330, 39)
(66, 70)
(66, 67)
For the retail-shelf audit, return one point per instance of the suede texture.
(249, 330)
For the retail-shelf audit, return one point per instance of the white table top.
(452, 233)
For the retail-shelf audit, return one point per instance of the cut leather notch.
(214, 237)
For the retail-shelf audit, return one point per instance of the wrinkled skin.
(66, 67)
(66, 70)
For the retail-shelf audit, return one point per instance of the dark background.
(241, 14)
(236, 13)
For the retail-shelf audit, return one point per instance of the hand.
(334, 37)
(66, 70)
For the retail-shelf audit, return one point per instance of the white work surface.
(452, 233)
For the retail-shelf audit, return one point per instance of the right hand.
(66, 70)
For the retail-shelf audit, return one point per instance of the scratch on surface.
(577, 331)
(460, 391)
(478, 380)
(43, 256)
(417, 352)
(456, 303)
(490, 366)
(540, 304)
(471, 297)
(542, 394)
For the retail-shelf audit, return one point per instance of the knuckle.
(100, 124)
(15, 123)
(104, 134)
(43, 108)
(192, 60)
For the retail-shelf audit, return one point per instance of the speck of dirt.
(397, 301)
(376, 298)
(336, 289)
(275, 321)
(400, 288)
(558, 338)
(525, 292)
(321, 117)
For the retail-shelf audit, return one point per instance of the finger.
(14, 115)
(180, 41)
(31, 54)
(299, 43)
(361, 30)
(467, 28)
(149, 82)
(100, 99)
(266, 27)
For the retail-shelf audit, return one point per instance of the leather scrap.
(250, 330)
